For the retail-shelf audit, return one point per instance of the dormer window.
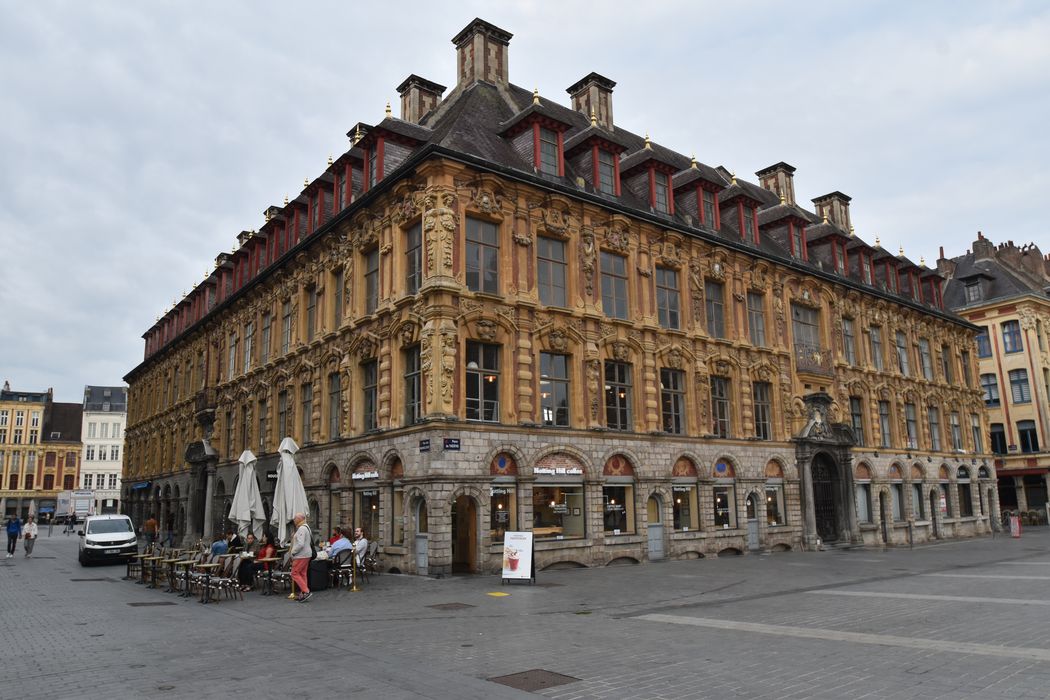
(373, 165)
(709, 208)
(748, 224)
(606, 172)
(865, 268)
(838, 256)
(891, 278)
(973, 292)
(661, 185)
(798, 240)
(549, 151)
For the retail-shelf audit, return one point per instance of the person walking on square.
(302, 553)
(29, 533)
(14, 530)
(149, 528)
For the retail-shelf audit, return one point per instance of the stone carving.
(448, 362)
(486, 330)
(674, 358)
(487, 201)
(440, 223)
(621, 351)
(366, 232)
(722, 368)
(558, 340)
(408, 334)
(696, 287)
(669, 255)
(588, 256)
(407, 207)
(522, 233)
(618, 236)
(594, 373)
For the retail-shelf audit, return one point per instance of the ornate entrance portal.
(826, 488)
(823, 451)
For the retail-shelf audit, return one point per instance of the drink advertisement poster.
(517, 555)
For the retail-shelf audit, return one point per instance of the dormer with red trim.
(594, 152)
(739, 210)
(886, 264)
(537, 133)
(648, 175)
(861, 264)
(348, 177)
(783, 223)
(319, 201)
(908, 274)
(386, 145)
(932, 285)
(829, 239)
(696, 191)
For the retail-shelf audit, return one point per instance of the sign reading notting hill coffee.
(364, 475)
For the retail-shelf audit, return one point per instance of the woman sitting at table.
(249, 567)
(246, 566)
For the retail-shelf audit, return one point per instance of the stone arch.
(774, 469)
(620, 462)
(685, 467)
(551, 450)
(358, 458)
(504, 448)
(731, 470)
(895, 472)
(917, 472)
(863, 471)
(390, 458)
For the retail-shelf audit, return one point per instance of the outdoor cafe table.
(128, 576)
(171, 574)
(206, 591)
(142, 566)
(269, 573)
(153, 570)
(186, 577)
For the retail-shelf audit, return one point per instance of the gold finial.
(825, 216)
(330, 161)
(183, 293)
(922, 260)
(877, 244)
(306, 182)
(388, 109)
(286, 200)
(535, 96)
(851, 231)
(266, 214)
(647, 144)
(732, 178)
(692, 162)
(900, 251)
(594, 119)
(357, 134)
(783, 199)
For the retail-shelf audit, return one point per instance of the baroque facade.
(499, 313)
(1005, 291)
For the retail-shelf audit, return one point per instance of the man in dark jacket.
(14, 529)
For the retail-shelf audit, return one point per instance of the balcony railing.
(813, 359)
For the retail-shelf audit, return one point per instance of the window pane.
(551, 271)
(482, 382)
(614, 285)
(672, 400)
(554, 389)
(756, 318)
(482, 256)
(667, 305)
(617, 395)
(715, 306)
(618, 509)
(558, 511)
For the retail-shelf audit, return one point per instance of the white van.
(109, 538)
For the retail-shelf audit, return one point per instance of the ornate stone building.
(1005, 291)
(500, 313)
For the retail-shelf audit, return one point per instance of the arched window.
(724, 495)
(946, 503)
(775, 511)
(503, 496)
(965, 494)
(897, 492)
(918, 507)
(684, 508)
(618, 496)
(862, 481)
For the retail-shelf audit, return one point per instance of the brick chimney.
(481, 54)
(594, 93)
(983, 249)
(418, 97)
(779, 178)
(835, 206)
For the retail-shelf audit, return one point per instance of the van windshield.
(105, 527)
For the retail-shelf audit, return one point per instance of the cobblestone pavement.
(967, 619)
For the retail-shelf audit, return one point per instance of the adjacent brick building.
(500, 313)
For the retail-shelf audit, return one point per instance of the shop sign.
(370, 492)
(424, 445)
(364, 475)
(613, 507)
(450, 444)
(561, 508)
(558, 471)
(681, 489)
(271, 475)
(498, 491)
(944, 505)
(517, 556)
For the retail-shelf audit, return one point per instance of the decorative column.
(809, 534)
(1022, 497)
(209, 530)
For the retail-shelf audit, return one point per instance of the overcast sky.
(138, 139)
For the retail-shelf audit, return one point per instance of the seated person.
(336, 534)
(233, 540)
(339, 545)
(219, 546)
(246, 566)
(360, 545)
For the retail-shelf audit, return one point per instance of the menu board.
(517, 555)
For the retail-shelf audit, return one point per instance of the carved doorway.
(826, 489)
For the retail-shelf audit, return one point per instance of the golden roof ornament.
(922, 260)
(330, 161)
(647, 144)
(825, 216)
(594, 118)
(388, 112)
(535, 96)
(900, 251)
(732, 178)
(783, 199)
(851, 231)
(286, 200)
(692, 162)
(877, 244)
(306, 182)
(357, 134)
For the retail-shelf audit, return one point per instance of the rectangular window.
(371, 281)
(956, 430)
(282, 415)
(849, 342)
(264, 341)
(1027, 436)
(554, 389)
(917, 503)
(672, 400)
(897, 497)
(413, 386)
(503, 513)
(709, 208)
(683, 508)
(286, 326)
(1012, 337)
(369, 394)
(551, 271)
(975, 433)
(232, 366)
(338, 282)
(606, 172)
(307, 395)
(998, 435)
(249, 344)
(856, 413)
(262, 411)
(311, 313)
(335, 405)
(397, 501)
(902, 353)
(964, 360)
(863, 502)
(617, 395)
(946, 365)
(558, 511)
(973, 292)
(548, 151)
(720, 406)
(876, 347)
(482, 382)
(245, 427)
(660, 202)
(618, 516)
(92, 428)
(965, 499)
(667, 305)
(614, 285)
(714, 302)
(89, 453)
(414, 258)
(114, 452)
(805, 324)
(775, 505)
(990, 386)
(912, 425)
(1019, 389)
(925, 359)
(724, 506)
(865, 268)
(482, 256)
(760, 394)
(984, 345)
(756, 318)
(373, 158)
(229, 435)
(112, 481)
(933, 415)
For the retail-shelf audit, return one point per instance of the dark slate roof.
(409, 130)
(824, 229)
(699, 172)
(106, 398)
(598, 132)
(781, 211)
(64, 421)
(536, 108)
(1002, 282)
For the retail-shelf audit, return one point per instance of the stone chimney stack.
(593, 93)
(779, 178)
(418, 97)
(983, 249)
(834, 206)
(481, 54)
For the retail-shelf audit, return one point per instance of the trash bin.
(1015, 526)
(318, 575)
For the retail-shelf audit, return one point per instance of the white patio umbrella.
(247, 508)
(289, 495)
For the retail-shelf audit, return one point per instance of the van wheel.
(83, 561)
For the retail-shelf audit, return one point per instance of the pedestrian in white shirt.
(29, 532)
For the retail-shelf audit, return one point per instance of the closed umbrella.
(289, 496)
(247, 509)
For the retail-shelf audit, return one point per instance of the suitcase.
(318, 575)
